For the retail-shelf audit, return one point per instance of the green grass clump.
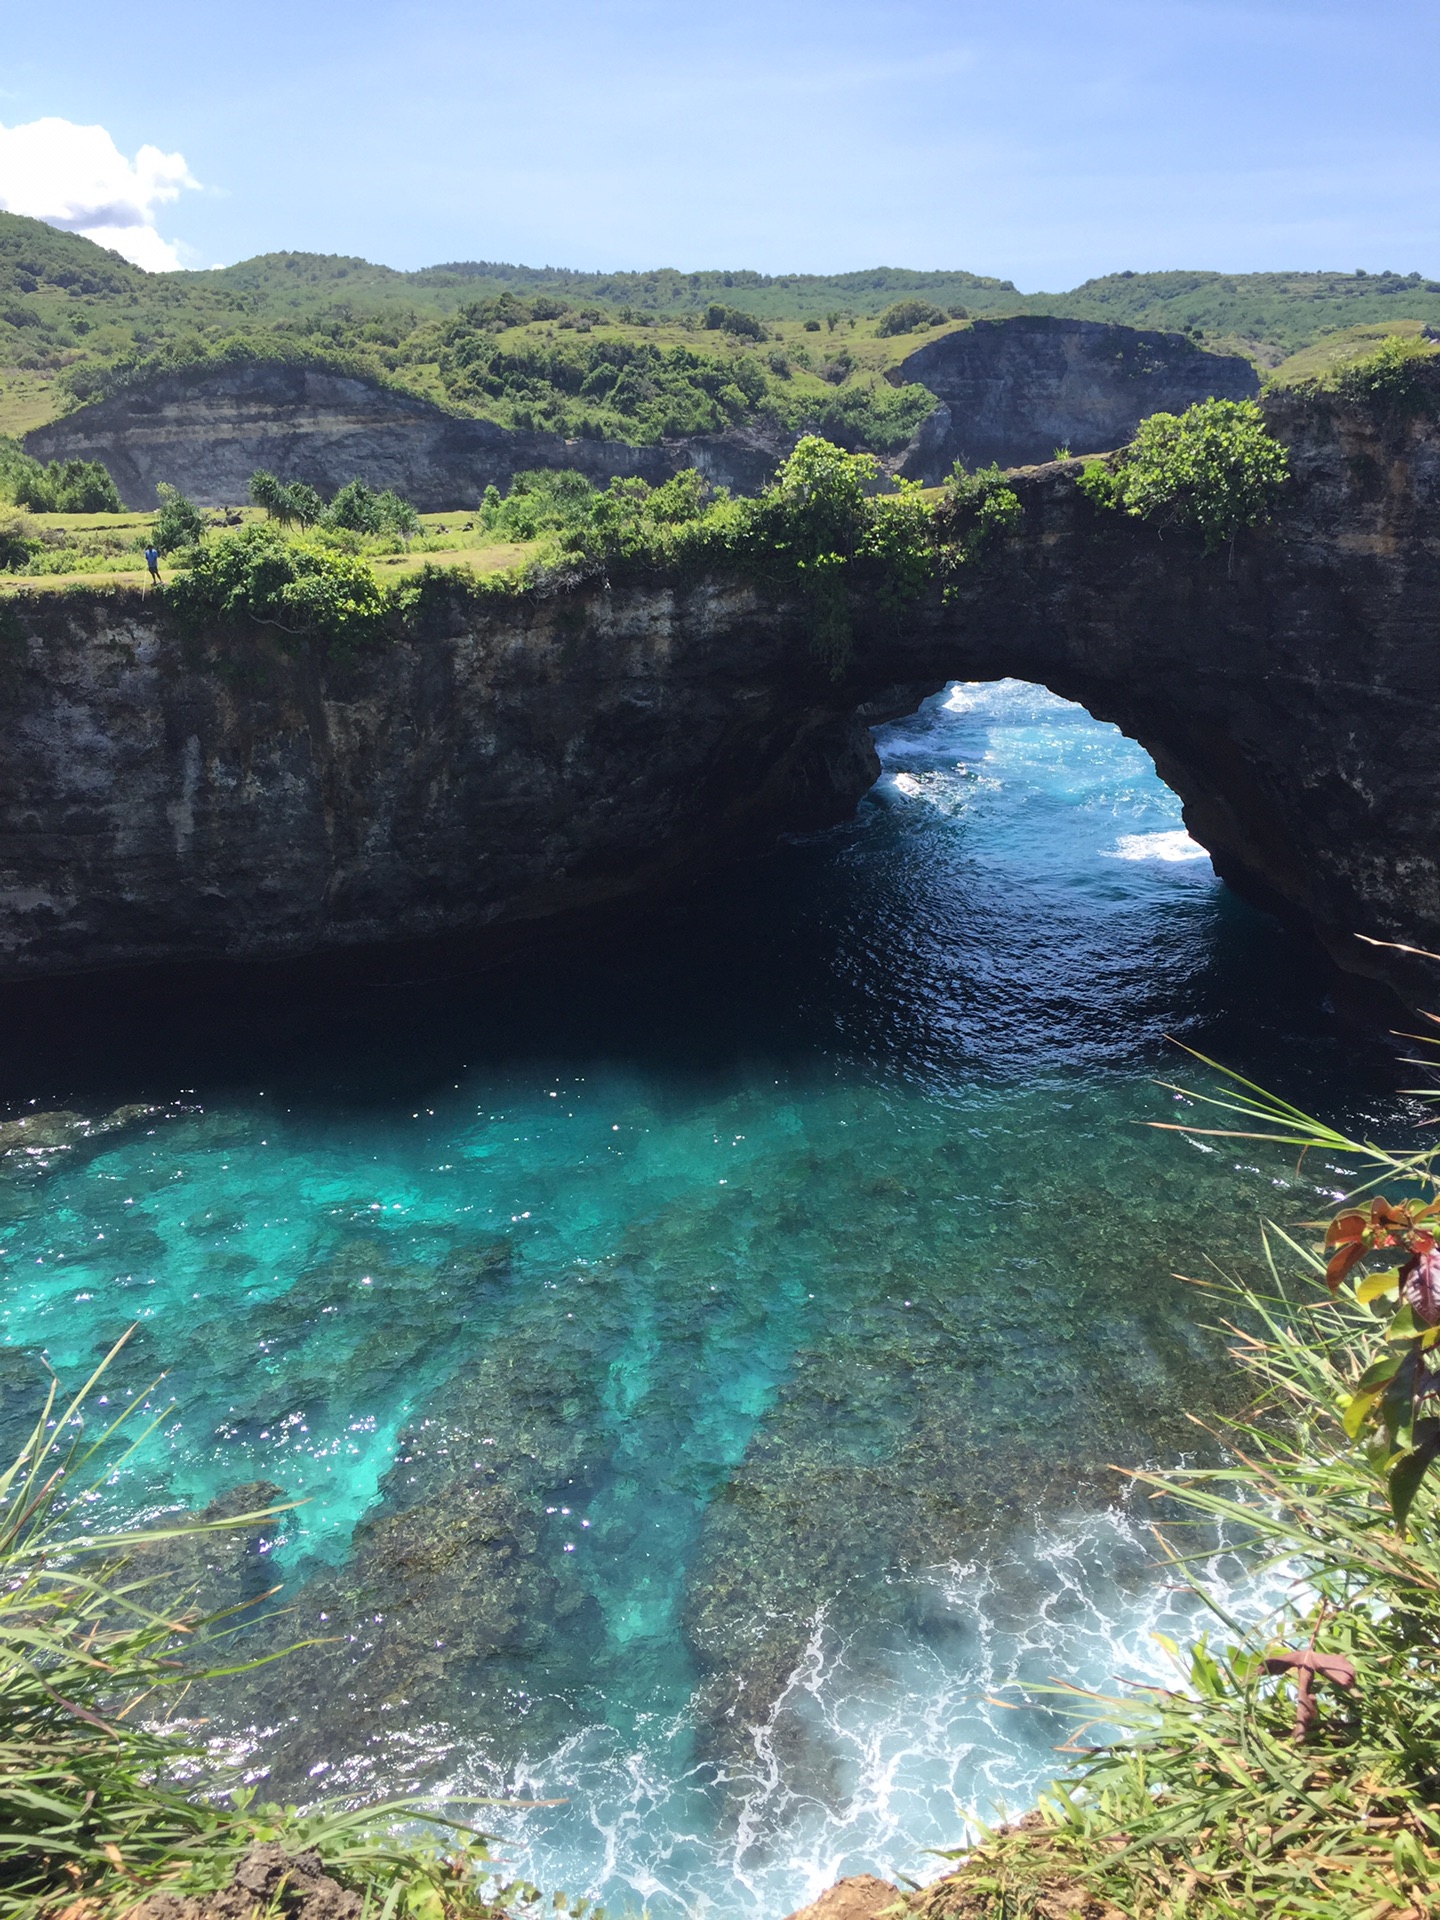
(105, 1791)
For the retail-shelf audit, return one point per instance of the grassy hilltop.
(633, 356)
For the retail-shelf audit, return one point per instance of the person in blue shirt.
(152, 561)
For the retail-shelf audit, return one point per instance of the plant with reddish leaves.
(1395, 1408)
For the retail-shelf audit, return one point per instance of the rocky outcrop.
(1013, 391)
(267, 1883)
(206, 432)
(861, 1897)
(162, 799)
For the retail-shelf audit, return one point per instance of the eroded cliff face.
(1007, 390)
(170, 800)
(206, 432)
(164, 800)
(1014, 390)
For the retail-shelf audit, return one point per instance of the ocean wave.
(1172, 845)
(879, 1747)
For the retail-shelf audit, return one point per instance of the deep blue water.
(784, 1271)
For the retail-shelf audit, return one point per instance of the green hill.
(636, 356)
(1265, 315)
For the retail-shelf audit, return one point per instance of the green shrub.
(1214, 468)
(1397, 376)
(733, 320)
(823, 525)
(299, 588)
(359, 509)
(979, 508)
(179, 523)
(18, 546)
(541, 500)
(908, 316)
(69, 486)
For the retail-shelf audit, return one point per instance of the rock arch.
(164, 800)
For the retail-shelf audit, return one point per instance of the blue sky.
(1039, 141)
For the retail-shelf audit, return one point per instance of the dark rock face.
(162, 800)
(207, 432)
(1013, 391)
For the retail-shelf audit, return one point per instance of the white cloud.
(77, 178)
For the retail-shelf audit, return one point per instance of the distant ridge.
(77, 321)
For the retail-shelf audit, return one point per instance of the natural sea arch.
(519, 759)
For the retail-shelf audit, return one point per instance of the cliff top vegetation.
(634, 356)
(826, 531)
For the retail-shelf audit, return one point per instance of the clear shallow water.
(700, 1354)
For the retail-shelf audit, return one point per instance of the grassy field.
(1326, 357)
(107, 549)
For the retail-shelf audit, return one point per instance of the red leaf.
(1344, 1227)
(1340, 1263)
(1330, 1666)
(1383, 1214)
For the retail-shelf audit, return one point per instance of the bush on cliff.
(179, 523)
(359, 509)
(546, 500)
(18, 545)
(1214, 467)
(299, 588)
(978, 508)
(908, 316)
(1398, 377)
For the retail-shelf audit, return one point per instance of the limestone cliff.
(1013, 391)
(208, 431)
(163, 799)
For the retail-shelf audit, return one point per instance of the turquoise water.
(699, 1355)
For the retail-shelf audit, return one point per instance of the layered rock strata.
(1007, 390)
(206, 432)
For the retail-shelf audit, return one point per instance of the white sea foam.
(881, 1746)
(1173, 845)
